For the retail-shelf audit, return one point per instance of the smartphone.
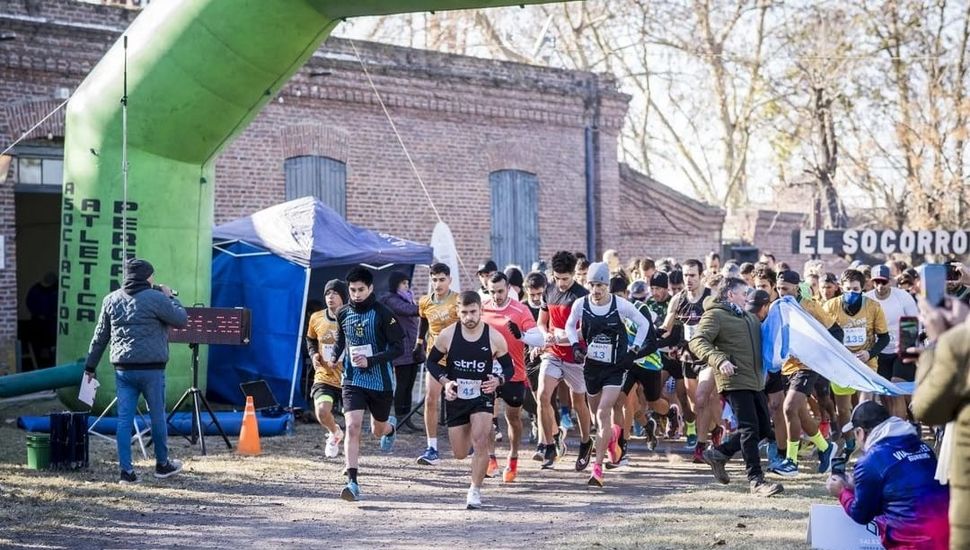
(908, 334)
(933, 285)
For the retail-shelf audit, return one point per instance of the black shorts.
(513, 393)
(379, 403)
(823, 388)
(892, 366)
(774, 383)
(803, 381)
(692, 369)
(325, 392)
(673, 367)
(599, 377)
(459, 412)
(649, 380)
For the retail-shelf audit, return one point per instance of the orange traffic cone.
(249, 434)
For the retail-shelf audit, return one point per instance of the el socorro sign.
(883, 241)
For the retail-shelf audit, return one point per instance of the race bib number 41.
(854, 337)
(469, 389)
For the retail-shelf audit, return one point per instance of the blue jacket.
(895, 487)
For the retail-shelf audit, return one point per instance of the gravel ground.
(288, 496)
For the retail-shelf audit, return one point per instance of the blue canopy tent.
(271, 262)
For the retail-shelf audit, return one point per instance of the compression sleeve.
(882, 340)
(423, 329)
(433, 363)
(575, 314)
(629, 312)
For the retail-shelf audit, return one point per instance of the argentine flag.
(789, 331)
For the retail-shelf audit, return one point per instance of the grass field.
(288, 496)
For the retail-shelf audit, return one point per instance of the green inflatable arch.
(198, 72)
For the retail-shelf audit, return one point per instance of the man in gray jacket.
(135, 320)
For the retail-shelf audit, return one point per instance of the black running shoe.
(168, 469)
(128, 477)
(585, 453)
(540, 453)
(549, 457)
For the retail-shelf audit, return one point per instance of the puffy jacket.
(406, 314)
(724, 335)
(894, 486)
(137, 327)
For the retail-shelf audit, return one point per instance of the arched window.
(515, 217)
(320, 177)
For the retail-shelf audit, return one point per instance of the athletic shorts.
(513, 393)
(325, 392)
(803, 381)
(892, 366)
(649, 380)
(571, 373)
(598, 378)
(774, 383)
(823, 389)
(459, 412)
(692, 369)
(377, 402)
(673, 367)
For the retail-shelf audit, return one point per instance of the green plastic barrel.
(38, 451)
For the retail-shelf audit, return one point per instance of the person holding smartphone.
(896, 304)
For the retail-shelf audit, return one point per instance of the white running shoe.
(332, 450)
(474, 499)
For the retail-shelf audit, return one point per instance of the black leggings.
(405, 375)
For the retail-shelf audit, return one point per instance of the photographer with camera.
(135, 320)
(942, 397)
(892, 482)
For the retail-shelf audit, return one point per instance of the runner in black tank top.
(477, 363)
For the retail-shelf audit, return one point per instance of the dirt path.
(288, 496)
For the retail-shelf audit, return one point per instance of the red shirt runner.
(498, 318)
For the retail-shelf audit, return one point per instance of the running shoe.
(716, 435)
(786, 469)
(540, 453)
(585, 453)
(128, 477)
(771, 452)
(430, 457)
(596, 479)
(825, 458)
(566, 422)
(549, 457)
(498, 431)
(492, 470)
(691, 441)
(624, 460)
(332, 449)
(168, 469)
(509, 473)
(718, 462)
(638, 430)
(673, 422)
(387, 441)
(474, 499)
(698, 453)
(613, 450)
(766, 488)
(351, 492)
(651, 434)
(561, 443)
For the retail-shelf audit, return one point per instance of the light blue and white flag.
(789, 331)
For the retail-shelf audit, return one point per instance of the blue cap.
(880, 272)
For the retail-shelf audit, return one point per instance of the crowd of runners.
(658, 350)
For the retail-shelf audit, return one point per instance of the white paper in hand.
(89, 387)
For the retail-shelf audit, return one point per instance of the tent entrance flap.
(298, 358)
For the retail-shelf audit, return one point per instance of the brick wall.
(658, 222)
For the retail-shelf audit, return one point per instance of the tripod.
(197, 433)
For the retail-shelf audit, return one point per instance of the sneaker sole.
(426, 462)
(508, 479)
(722, 477)
(347, 495)
(473, 506)
(593, 482)
(780, 489)
(168, 475)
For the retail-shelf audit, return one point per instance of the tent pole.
(299, 339)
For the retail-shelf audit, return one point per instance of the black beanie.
(138, 270)
(395, 279)
(339, 287)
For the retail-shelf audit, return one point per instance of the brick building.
(484, 135)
